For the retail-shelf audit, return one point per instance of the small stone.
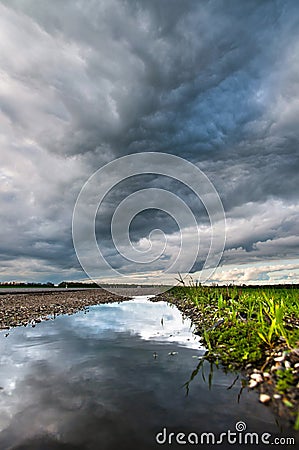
(276, 367)
(279, 359)
(252, 384)
(296, 366)
(287, 364)
(257, 377)
(264, 398)
(266, 375)
(276, 396)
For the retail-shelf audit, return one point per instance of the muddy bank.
(24, 308)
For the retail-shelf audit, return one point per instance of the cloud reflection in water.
(90, 381)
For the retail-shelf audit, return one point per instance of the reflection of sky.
(150, 321)
(91, 380)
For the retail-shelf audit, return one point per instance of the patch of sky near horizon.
(270, 272)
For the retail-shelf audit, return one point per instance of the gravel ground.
(21, 309)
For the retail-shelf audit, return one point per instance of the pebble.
(256, 377)
(279, 359)
(266, 375)
(287, 364)
(277, 367)
(252, 384)
(264, 398)
(276, 396)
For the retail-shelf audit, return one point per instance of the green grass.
(253, 320)
(285, 381)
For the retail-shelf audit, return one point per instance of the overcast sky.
(85, 82)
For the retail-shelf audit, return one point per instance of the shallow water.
(112, 379)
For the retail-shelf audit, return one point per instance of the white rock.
(266, 375)
(287, 364)
(264, 398)
(277, 396)
(252, 384)
(257, 377)
(279, 359)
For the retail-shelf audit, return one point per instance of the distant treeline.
(252, 286)
(15, 284)
(69, 284)
(262, 286)
(78, 284)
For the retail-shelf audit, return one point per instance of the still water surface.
(112, 379)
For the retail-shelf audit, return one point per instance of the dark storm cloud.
(85, 82)
(135, 76)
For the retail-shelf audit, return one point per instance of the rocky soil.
(31, 308)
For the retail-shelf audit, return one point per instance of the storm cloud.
(83, 83)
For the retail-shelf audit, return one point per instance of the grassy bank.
(255, 330)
